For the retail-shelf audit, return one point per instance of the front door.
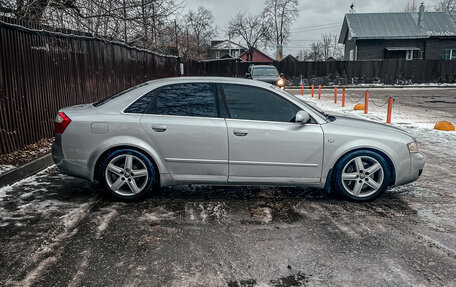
(183, 124)
(265, 143)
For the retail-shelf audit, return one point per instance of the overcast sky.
(315, 16)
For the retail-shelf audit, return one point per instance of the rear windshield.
(104, 101)
(265, 71)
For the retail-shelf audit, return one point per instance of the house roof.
(290, 58)
(225, 45)
(397, 26)
(256, 50)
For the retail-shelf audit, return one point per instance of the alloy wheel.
(126, 175)
(362, 176)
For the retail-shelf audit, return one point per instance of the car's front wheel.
(128, 174)
(362, 175)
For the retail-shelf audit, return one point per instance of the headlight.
(413, 147)
(280, 82)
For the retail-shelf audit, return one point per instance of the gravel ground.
(57, 231)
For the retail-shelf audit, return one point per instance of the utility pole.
(229, 44)
(154, 38)
(125, 21)
(144, 21)
(175, 34)
(186, 45)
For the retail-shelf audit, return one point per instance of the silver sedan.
(227, 131)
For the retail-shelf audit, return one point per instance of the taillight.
(61, 122)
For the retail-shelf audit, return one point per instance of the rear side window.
(140, 105)
(104, 101)
(252, 103)
(192, 100)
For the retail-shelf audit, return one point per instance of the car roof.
(191, 79)
(263, 66)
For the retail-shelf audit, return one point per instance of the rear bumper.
(64, 165)
(417, 161)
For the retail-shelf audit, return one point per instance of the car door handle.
(240, 133)
(159, 128)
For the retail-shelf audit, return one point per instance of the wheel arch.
(383, 154)
(99, 160)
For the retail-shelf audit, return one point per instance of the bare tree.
(281, 14)
(199, 25)
(446, 5)
(144, 23)
(253, 29)
(316, 52)
(32, 10)
(326, 45)
(411, 6)
(337, 49)
(303, 55)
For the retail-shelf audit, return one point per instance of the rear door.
(265, 143)
(183, 123)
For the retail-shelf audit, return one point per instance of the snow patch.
(6, 167)
(103, 221)
(30, 181)
(158, 214)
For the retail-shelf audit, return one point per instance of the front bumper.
(63, 164)
(417, 161)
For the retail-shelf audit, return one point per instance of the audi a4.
(227, 131)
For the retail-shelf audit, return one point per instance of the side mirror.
(282, 75)
(302, 117)
(247, 75)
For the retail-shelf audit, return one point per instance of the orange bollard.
(335, 95)
(390, 110)
(319, 91)
(302, 89)
(343, 97)
(312, 91)
(366, 101)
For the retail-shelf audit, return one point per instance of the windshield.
(104, 101)
(265, 72)
(313, 108)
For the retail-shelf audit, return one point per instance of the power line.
(314, 29)
(302, 40)
(315, 26)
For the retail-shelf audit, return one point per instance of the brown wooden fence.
(340, 72)
(42, 71)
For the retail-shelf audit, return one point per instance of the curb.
(26, 170)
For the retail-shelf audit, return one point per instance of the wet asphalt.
(57, 230)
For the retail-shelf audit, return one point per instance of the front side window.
(192, 100)
(252, 103)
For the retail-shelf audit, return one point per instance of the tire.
(362, 175)
(127, 174)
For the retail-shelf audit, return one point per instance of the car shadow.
(262, 203)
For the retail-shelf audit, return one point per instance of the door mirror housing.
(302, 117)
(248, 75)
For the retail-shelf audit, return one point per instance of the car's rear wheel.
(362, 175)
(128, 174)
